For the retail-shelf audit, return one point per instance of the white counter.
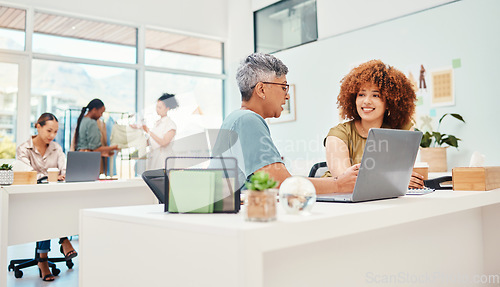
(31, 213)
(341, 244)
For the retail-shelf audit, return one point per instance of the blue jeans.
(44, 246)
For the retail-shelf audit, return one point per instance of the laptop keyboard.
(419, 191)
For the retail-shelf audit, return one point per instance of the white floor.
(67, 277)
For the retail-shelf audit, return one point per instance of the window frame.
(139, 66)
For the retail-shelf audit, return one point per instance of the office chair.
(17, 264)
(318, 166)
(155, 179)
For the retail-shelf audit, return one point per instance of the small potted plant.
(6, 174)
(260, 197)
(432, 150)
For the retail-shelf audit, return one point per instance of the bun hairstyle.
(169, 100)
(42, 120)
(94, 104)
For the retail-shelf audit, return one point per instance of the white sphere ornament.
(297, 195)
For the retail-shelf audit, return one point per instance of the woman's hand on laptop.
(416, 180)
(346, 181)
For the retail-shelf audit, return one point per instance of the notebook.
(83, 166)
(191, 191)
(386, 166)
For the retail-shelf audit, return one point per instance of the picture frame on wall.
(289, 113)
(442, 92)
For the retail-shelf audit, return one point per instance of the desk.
(36, 212)
(424, 239)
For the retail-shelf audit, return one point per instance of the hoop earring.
(388, 112)
(263, 97)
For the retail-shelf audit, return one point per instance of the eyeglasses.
(286, 87)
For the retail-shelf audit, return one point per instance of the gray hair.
(258, 67)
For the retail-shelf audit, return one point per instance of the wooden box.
(476, 178)
(24, 177)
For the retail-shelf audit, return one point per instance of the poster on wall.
(288, 114)
(442, 87)
(418, 77)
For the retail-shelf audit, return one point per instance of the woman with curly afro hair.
(372, 95)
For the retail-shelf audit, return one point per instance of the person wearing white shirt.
(162, 133)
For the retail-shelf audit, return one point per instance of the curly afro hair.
(395, 89)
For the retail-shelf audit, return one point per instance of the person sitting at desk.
(372, 95)
(262, 82)
(87, 133)
(42, 153)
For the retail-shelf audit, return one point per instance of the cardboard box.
(476, 178)
(24, 177)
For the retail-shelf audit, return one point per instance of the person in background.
(372, 95)
(42, 153)
(162, 133)
(87, 132)
(264, 90)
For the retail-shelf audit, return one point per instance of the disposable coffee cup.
(422, 168)
(53, 173)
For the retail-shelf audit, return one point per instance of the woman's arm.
(165, 140)
(22, 154)
(107, 150)
(343, 184)
(337, 156)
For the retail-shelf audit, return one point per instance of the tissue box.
(476, 178)
(24, 177)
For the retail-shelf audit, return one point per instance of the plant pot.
(435, 158)
(260, 205)
(6, 177)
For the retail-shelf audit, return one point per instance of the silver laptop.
(386, 166)
(83, 166)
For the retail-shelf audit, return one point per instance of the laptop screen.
(83, 166)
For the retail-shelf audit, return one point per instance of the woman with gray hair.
(264, 90)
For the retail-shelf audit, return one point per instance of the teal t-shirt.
(245, 135)
(89, 135)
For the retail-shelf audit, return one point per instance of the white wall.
(199, 17)
(433, 38)
(340, 16)
(465, 29)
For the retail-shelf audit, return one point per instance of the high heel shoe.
(47, 277)
(68, 255)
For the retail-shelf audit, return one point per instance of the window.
(285, 24)
(75, 60)
(58, 87)
(73, 37)
(12, 28)
(200, 101)
(183, 52)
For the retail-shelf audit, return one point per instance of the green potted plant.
(260, 200)
(6, 174)
(432, 150)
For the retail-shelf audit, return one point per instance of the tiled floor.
(67, 277)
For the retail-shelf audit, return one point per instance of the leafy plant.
(437, 139)
(5, 166)
(7, 147)
(260, 181)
